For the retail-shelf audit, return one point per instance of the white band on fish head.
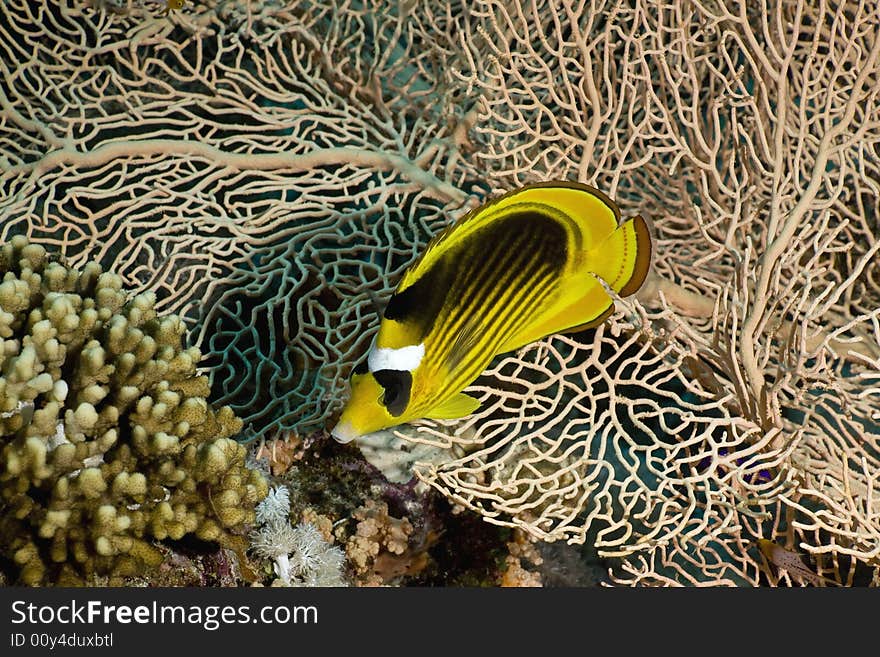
(404, 359)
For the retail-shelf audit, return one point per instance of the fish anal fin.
(583, 304)
(455, 407)
(592, 323)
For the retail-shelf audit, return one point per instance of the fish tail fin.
(623, 258)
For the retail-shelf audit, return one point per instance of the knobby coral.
(378, 537)
(106, 439)
(286, 161)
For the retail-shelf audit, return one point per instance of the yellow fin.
(455, 407)
(592, 323)
(583, 304)
(623, 258)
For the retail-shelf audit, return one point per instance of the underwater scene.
(439, 293)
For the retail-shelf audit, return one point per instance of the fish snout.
(344, 432)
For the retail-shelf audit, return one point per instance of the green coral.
(107, 442)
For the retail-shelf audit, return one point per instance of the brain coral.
(107, 441)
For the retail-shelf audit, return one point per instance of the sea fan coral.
(267, 170)
(737, 400)
(263, 185)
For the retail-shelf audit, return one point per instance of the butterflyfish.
(172, 5)
(519, 268)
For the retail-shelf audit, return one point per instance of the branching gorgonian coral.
(740, 402)
(245, 164)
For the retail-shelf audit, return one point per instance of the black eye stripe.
(361, 368)
(398, 386)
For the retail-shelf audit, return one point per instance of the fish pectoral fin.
(464, 343)
(455, 407)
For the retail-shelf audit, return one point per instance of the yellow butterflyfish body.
(517, 269)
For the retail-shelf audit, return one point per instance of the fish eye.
(397, 385)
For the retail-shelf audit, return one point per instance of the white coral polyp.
(300, 555)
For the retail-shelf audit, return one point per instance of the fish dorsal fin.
(432, 251)
(559, 196)
(455, 407)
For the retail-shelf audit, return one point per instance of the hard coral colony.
(108, 442)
